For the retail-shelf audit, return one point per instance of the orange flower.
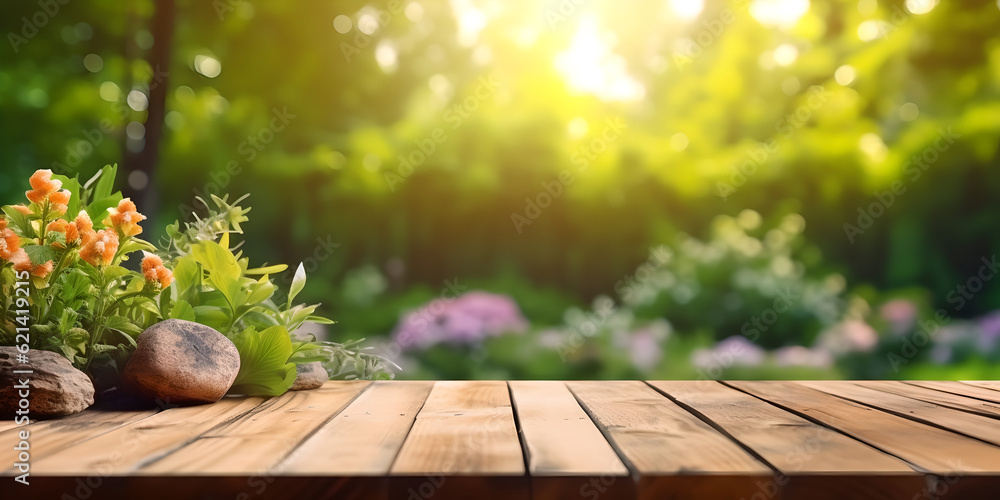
(43, 185)
(99, 248)
(164, 276)
(70, 233)
(125, 218)
(151, 262)
(10, 243)
(154, 271)
(3, 223)
(22, 263)
(23, 209)
(59, 200)
(83, 223)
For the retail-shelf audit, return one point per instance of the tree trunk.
(146, 196)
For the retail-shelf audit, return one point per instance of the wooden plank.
(568, 456)
(560, 438)
(959, 388)
(258, 440)
(815, 462)
(128, 447)
(675, 454)
(789, 442)
(927, 448)
(977, 426)
(364, 439)
(48, 437)
(988, 384)
(464, 427)
(950, 400)
(464, 443)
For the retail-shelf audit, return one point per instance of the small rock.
(310, 376)
(55, 388)
(181, 362)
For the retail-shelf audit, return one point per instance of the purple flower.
(989, 327)
(467, 319)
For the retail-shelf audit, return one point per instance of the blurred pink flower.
(849, 336)
(797, 355)
(731, 351)
(901, 315)
(467, 319)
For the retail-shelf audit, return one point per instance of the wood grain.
(568, 456)
(364, 439)
(928, 448)
(959, 388)
(669, 448)
(559, 436)
(811, 459)
(255, 442)
(129, 447)
(964, 403)
(48, 437)
(463, 428)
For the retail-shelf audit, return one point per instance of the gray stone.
(181, 362)
(55, 388)
(310, 376)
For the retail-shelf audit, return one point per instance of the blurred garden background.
(561, 189)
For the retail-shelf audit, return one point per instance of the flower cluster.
(155, 272)
(467, 319)
(11, 251)
(99, 247)
(46, 189)
(10, 242)
(125, 218)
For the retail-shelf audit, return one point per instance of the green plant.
(216, 287)
(82, 302)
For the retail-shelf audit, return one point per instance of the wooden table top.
(495, 439)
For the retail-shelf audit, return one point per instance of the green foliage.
(83, 307)
(265, 369)
(216, 287)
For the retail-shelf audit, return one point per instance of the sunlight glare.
(686, 9)
(590, 66)
(778, 13)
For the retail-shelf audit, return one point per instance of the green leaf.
(105, 183)
(40, 254)
(183, 310)
(72, 185)
(298, 282)
(224, 271)
(136, 244)
(277, 268)
(20, 221)
(123, 325)
(98, 210)
(264, 366)
(259, 292)
(187, 278)
(212, 316)
(259, 320)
